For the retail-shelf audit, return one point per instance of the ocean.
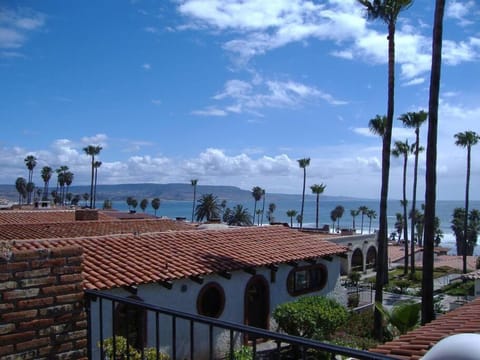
(444, 211)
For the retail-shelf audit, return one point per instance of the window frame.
(292, 287)
(201, 295)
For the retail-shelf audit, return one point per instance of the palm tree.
(363, 211)
(428, 313)
(155, 205)
(354, 213)
(30, 163)
(371, 214)
(85, 197)
(239, 216)
(399, 224)
(143, 204)
(333, 217)
(257, 193)
(207, 208)
(263, 205)
(46, 175)
(387, 11)
(414, 120)
(317, 189)
(68, 180)
(271, 209)
(303, 163)
(194, 183)
(339, 210)
(96, 165)
(466, 139)
(291, 214)
(403, 149)
(21, 187)
(92, 150)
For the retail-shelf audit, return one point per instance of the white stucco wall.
(183, 297)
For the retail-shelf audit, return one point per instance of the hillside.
(165, 192)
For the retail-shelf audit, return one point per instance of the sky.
(231, 92)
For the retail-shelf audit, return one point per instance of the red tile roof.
(415, 344)
(42, 216)
(123, 260)
(88, 228)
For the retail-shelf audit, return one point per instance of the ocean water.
(444, 210)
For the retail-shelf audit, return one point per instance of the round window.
(211, 300)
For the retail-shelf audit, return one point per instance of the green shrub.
(314, 317)
(353, 300)
(133, 354)
(243, 353)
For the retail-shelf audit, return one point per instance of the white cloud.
(156, 101)
(97, 140)
(210, 112)
(415, 81)
(460, 10)
(16, 24)
(146, 66)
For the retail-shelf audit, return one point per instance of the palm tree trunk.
(428, 313)
(405, 221)
(316, 215)
(465, 223)
(414, 200)
(95, 189)
(91, 182)
(303, 196)
(263, 208)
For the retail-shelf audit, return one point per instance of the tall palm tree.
(291, 214)
(155, 205)
(339, 210)
(271, 209)
(143, 204)
(354, 213)
(46, 175)
(30, 163)
(428, 313)
(303, 163)
(466, 140)
(414, 120)
(387, 11)
(371, 214)
(68, 181)
(194, 183)
(402, 149)
(317, 189)
(92, 150)
(21, 187)
(257, 193)
(207, 208)
(263, 205)
(363, 211)
(96, 165)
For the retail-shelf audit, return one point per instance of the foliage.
(107, 204)
(243, 353)
(458, 218)
(357, 332)
(207, 208)
(291, 214)
(314, 317)
(143, 204)
(238, 216)
(133, 354)
(354, 277)
(460, 288)
(403, 317)
(353, 300)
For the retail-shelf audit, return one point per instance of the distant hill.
(177, 192)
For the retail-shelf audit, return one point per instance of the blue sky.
(229, 92)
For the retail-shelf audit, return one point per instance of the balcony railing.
(279, 346)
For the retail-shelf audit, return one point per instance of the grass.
(460, 288)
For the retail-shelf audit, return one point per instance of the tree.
(457, 226)
(354, 213)
(68, 180)
(414, 120)
(387, 11)
(143, 204)
(291, 214)
(333, 217)
(96, 165)
(134, 204)
(303, 163)
(399, 224)
(129, 202)
(403, 149)
(371, 214)
(155, 205)
(92, 150)
(107, 204)
(194, 183)
(317, 190)
(363, 211)
(21, 187)
(85, 197)
(271, 209)
(239, 216)
(30, 163)
(263, 205)
(46, 175)
(207, 208)
(339, 210)
(428, 312)
(257, 193)
(466, 140)
(258, 212)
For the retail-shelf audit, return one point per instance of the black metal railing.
(262, 344)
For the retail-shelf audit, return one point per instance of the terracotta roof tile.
(118, 260)
(465, 319)
(42, 216)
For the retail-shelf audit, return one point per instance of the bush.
(353, 300)
(133, 354)
(313, 317)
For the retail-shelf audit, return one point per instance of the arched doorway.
(257, 302)
(371, 257)
(357, 260)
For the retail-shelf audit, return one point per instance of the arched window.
(211, 300)
(305, 279)
(131, 323)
